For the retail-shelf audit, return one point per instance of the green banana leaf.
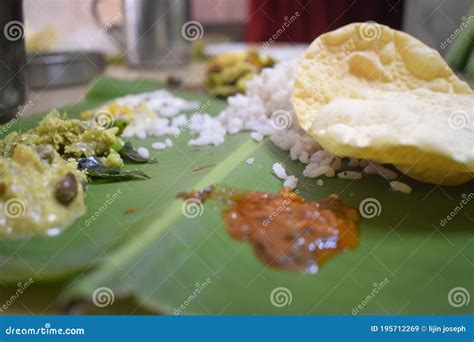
(458, 54)
(143, 248)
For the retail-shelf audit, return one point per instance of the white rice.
(373, 168)
(139, 134)
(179, 121)
(401, 187)
(268, 94)
(156, 113)
(349, 175)
(258, 137)
(291, 182)
(314, 170)
(279, 171)
(143, 151)
(158, 146)
(208, 129)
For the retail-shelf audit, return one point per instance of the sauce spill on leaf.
(285, 230)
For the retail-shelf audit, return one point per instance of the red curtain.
(315, 17)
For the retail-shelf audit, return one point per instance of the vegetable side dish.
(39, 191)
(228, 73)
(44, 172)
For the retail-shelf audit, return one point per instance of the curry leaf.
(95, 169)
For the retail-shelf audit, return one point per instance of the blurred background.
(73, 21)
(68, 43)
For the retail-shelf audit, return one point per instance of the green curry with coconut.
(71, 138)
(44, 171)
(39, 191)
